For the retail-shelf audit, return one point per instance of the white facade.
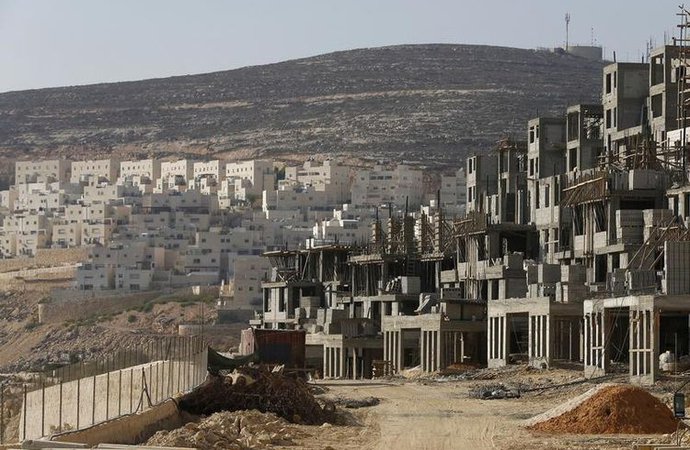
(101, 170)
(46, 171)
(145, 169)
(330, 177)
(381, 186)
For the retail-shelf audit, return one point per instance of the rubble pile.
(354, 403)
(613, 410)
(229, 430)
(285, 396)
(494, 391)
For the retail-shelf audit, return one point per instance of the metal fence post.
(25, 407)
(107, 395)
(78, 399)
(93, 401)
(177, 352)
(181, 344)
(2, 414)
(43, 408)
(60, 412)
(188, 361)
(119, 393)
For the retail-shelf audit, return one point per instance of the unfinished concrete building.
(628, 221)
(574, 249)
(309, 289)
(432, 324)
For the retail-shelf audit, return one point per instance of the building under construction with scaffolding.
(575, 248)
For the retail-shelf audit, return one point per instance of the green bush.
(31, 325)
(131, 318)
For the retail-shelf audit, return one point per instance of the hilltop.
(434, 102)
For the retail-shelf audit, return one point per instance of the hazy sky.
(65, 42)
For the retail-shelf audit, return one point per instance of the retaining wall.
(129, 429)
(88, 401)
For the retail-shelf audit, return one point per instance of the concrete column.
(334, 362)
(324, 369)
(401, 361)
(396, 343)
(432, 352)
(547, 338)
(634, 338)
(595, 338)
(540, 337)
(585, 340)
(604, 356)
(422, 349)
(502, 326)
(489, 338)
(354, 363)
(646, 338)
(530, 338)
(385, 345)
(439, 363)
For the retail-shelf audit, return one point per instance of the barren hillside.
(439, 101)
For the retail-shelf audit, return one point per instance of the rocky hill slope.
(432, 102)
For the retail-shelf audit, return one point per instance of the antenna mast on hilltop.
(567, 24)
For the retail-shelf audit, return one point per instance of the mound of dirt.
(229, 430)
(285, 396)
(617, 409)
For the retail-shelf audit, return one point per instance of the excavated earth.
(614, 410)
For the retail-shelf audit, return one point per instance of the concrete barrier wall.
(88, 401)
(128, 429)
(67, 271)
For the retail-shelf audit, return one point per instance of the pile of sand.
(613, 410)
(229, 431)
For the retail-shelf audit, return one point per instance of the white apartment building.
(31, 231)
(250, 178)
(100, 170)
(66, 234)
(42, 171)
(8, 198)
(380, 186)
(345, 227)
(145, 171)
(330, 177)
(212, 169)
(130, 267)
(175, 175)
(248, 272)
(454, 192)
(295, 198)
(180, 201)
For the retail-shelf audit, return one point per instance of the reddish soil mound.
(613, 410)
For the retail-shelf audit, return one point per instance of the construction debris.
(612, 410)
(353, 403)
(494, 391)
(285, 396)
(230, 430)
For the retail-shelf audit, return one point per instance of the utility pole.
(567, 24)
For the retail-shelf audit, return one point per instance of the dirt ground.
(425, 414)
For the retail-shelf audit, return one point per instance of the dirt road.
(434, 415)
(418, 416)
